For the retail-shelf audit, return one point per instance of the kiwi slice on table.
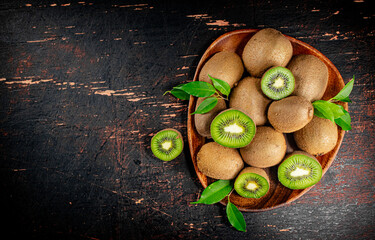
(167, 144)
(300, 170)
(251, 185)
(277, 83)
(232, 128)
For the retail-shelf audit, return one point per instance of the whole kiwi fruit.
(290, 114)
(318, 137)
(203, 121)
(252, 182)
(219, 162)
(267, 149)
(248, 97)
(311, 76)
(267, 48)
(226, 66)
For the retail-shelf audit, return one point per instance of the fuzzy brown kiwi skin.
(226, 66)
(255, 170)
(311, 76)
(219, 162)
(267, 48)
(248, 97)
(318, 137)
(290, 114)
(203, 121)
(267, 149)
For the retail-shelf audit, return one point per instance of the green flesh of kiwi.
(251, 185)
(299, 172)
(277, 83)
(167, 144)
(232, 128)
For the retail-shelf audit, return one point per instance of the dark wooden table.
(81, 91)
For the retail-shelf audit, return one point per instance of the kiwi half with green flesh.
(232, 128)
(299, 170)
(252, 183)
(219, 162)
(277, 83)
(167, 144)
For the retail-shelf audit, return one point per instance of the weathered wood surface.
(81, 90)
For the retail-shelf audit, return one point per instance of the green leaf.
(207, 105)
(344, 121)
(323, 109)
(345, 92)
(235, 217)
(215, 192)
(318, 113)
(178, 93)
(197, 89)
(347, 99)
(220, 85)
(336, 110)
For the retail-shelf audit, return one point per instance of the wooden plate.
(278, 195)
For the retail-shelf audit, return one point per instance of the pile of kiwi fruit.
(270, 102)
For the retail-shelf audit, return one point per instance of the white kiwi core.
(251, 186)
(234, 128)
(166, 145)
(279, 82)
(299, 172)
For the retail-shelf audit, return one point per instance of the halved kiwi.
(299, 170)
(277, 83)
(252, 183)
(167, 144)
(232, 128)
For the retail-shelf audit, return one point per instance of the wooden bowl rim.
(191, 110)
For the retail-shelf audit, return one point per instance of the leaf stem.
(219, 96)
(166, 92)
(230, 193)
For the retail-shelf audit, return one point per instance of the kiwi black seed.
(232, 128)
(167, 144)
(277, 83)
(299, 170)
(252, 183)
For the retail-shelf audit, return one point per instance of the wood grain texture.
(81, 92)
